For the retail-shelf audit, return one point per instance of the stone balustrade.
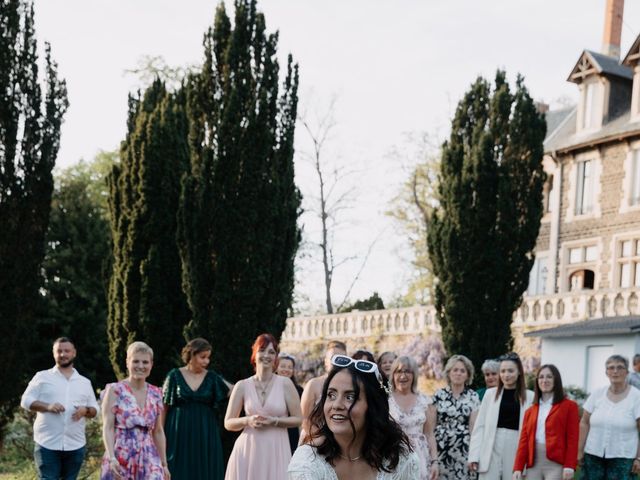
(575, 306)
(343, 326)
(536, 311)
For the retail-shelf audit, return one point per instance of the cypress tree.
(484, 230)
(145, 298)
(78, 250)
(238, 214)
(30, 124)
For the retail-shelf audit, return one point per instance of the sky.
(391, 69)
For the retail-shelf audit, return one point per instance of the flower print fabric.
(134, 446)
(452, 432)
(412, 423)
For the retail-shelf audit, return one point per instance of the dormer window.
(604, 85)
(591, 111)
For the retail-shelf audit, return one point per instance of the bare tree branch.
(331, 198)
(357, 276)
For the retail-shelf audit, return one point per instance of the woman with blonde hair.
(453, 412)
(133, 434)
(409, 408)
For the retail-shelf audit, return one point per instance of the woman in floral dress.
(409, 408)
(454, 410)
(135, 446)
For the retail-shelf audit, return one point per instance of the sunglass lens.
(341, 361)
(364, 366)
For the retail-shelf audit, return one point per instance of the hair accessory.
(364, 366)
(509, 356)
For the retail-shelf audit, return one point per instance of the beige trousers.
(503, 455)
(544, 469)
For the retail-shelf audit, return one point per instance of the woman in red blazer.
(548, 447)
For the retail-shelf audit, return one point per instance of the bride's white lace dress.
(307, 464)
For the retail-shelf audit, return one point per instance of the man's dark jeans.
(58, 464)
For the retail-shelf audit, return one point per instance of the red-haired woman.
(271, 405)
(548, 447)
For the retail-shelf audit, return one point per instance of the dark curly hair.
(384, 441)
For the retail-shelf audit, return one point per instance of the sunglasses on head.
(508, 356)
(364, 366)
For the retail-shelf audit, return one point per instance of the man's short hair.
(336, 344)
(64, 340)
(636, 358)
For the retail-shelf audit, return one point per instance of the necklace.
(261, 387)
(349, 458)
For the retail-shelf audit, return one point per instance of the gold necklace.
(349, 458)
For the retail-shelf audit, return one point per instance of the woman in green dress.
(192, 395)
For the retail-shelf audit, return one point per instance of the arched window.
(582, 280)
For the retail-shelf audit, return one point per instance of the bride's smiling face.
(341, 397)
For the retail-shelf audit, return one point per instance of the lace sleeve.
(301, 476)
(307, 465)
(408, 468)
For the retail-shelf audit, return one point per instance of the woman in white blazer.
(494, 440)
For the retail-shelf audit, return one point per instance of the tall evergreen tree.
(239, 207)
(30, 124)
(483, 232)
(74, 286)
(145, 297)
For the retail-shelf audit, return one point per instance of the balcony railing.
(342, 326)
(537, 311)
(574, 306)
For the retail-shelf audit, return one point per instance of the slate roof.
(565, 137)
(554, 119)
(610, 65)
(587, 328)
(632, 51)
(561, 124)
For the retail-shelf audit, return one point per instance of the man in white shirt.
(62, 399)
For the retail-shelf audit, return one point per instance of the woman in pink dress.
(135, 446)
(271, 405)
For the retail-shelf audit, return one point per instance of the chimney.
(612, 28)
(541, 107)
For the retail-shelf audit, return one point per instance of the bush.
(16, 458)
(576, 394)
(429, 353)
